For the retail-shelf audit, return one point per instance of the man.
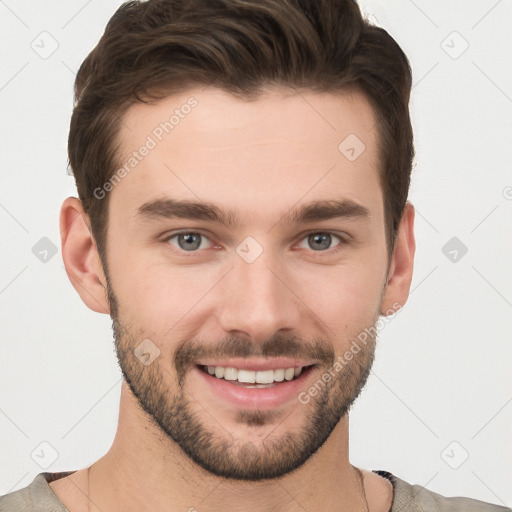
(243, 171)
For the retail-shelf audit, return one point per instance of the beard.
(182, 419)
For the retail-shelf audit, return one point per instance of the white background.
(440, 390)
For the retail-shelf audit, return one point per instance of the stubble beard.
(161, 393)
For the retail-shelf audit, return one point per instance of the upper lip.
(258, 364)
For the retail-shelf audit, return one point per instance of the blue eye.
(188, 241)
(320, 240)
(192, 241)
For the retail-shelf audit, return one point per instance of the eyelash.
(343, 241)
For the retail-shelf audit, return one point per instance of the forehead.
(206, 144)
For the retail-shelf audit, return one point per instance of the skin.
(259, 159)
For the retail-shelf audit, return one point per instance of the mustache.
(189, 351)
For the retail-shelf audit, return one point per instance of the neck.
(145, 470)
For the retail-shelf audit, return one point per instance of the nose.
(259, 299)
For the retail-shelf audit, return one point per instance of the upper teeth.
(252, 376)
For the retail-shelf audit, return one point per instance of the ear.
(400, 271)
(81, 257)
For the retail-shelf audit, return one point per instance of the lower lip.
(256, 398)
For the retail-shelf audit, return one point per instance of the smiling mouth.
(253, 378)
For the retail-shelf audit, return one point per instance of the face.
(282, 264)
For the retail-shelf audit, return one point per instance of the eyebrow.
(169, 208)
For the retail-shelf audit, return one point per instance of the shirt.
(39, 497)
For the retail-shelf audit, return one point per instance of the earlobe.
(400, 271)
(80, 256)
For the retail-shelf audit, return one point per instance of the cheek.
(158, 295)
(346, 298)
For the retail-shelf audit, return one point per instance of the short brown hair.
(155, 48)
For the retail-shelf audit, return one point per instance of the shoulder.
(416, 498)
(35, 497)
